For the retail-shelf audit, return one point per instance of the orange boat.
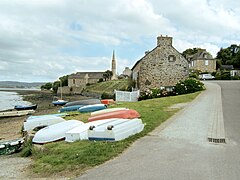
(107, 101)
(124, 114)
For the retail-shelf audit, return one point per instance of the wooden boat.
(25, 107)
(115, 130)
(125, 114)
(107, 101)
(70, 108)
(12, 146)
(55, 132)
(92, 108)
(59, 102)
(41, 122)
(16, 113)
(83, 102)
(81, 132)
(106, 111)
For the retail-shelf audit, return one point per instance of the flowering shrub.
(189, 85)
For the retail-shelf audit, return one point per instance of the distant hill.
(16, 84)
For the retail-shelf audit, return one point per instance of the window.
(74, 81)
(206, 62)
(205, 56)
(171, 58)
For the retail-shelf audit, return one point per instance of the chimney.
(164, 41)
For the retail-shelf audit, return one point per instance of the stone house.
(202, 61)
(81, 79)
(163, 66)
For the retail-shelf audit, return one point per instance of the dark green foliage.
(189, 85)
(100, 80)
(107, 75)
(47, 86)
(27, 149)
(107, 96)
(190, 52)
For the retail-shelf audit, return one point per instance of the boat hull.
(116, 130)
(124, 114)
(83, 102)
(106, 111)
(92, 108)
(20, 108)
(55, 132)
(59, 102)
(70, 108)
(9, 147)
(16, 113)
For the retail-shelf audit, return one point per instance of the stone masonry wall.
(200, 65)
(164, 66)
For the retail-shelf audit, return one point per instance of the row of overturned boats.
(104, 123)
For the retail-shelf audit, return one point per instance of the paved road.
(181, 150)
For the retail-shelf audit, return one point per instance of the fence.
(126, 96)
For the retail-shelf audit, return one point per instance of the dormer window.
(205, 56)
(171, 58)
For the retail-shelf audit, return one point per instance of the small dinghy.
(81, 132)
(83, 102)
(25, 107)
(59, 102)
(41, 122)
(45, 115)
(12, 146)
(107, 101)
(92, 108)
(70, 108)
(106, 111)
(16, 113)
(115, 130)
(55, 132)
(124, 114)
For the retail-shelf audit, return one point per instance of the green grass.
(75, 158)
(107, 86)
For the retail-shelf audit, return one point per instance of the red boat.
(124, 114)
(107, 101)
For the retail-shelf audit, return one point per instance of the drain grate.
(214, 140)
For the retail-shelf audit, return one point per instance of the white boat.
(16, 113)
(81, 132)
(55, 132)
(116, 130)
(47, 115)
(41, 122)
(106, 111)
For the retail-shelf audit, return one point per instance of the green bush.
(189, 85)
(107, 96)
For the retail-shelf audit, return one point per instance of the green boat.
(11, 146)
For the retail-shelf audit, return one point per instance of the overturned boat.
(25, 107)
(92, 108)
(115, 130)
(55, 132)
(16, 113)
(106, 111)
(124, 114)
(83, 102)
(11, 146)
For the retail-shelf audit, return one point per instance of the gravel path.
(13, 167)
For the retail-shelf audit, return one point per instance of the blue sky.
(43, 40)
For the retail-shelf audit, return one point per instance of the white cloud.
(42, 40)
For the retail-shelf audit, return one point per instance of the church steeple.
(114, 76)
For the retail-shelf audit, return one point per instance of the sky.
(42, 40)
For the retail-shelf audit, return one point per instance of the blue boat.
(70, 108)
(92, 108)
(59, 102)
(25, 107)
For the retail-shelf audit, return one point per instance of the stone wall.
(164, 66)
(202, 66)
(70, 90)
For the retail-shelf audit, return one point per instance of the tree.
(190, 51)
(47, 86)
(107, 75)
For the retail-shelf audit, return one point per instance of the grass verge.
(74, 158)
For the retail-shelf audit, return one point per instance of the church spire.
(114, 76)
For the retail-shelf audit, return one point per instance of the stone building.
(163, 66)
(202, 61)
(81, 79)
(127, 72)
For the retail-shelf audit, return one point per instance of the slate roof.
(91, 75)
(226, 67)
(202, 54)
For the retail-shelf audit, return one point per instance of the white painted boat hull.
(55, 132)
(16, 113)
(32, 123)
(81, 132)
(121, 129)
(106, 111)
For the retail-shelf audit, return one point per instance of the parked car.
(206, 77)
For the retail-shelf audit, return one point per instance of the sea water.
(9, 99)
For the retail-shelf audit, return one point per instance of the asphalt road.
(181, 149)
